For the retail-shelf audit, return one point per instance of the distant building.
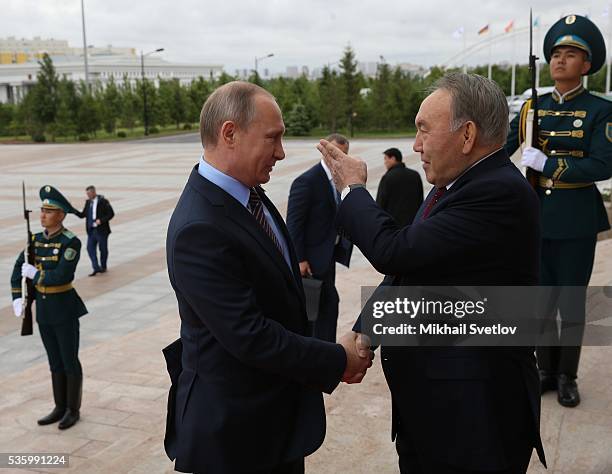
(16, 79)
(412, 69)
(292, 72)
(368, 69)
(19, 51)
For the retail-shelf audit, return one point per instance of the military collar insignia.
(569, 95)
(49, 237)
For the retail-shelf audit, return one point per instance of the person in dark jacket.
(311, 215)
(400, 191)
(456, 409)
(97, 213)
(247, 379)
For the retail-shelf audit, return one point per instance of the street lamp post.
(84, 44)
(261, 58)
(144, 88)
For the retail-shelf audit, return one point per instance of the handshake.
(359, 356)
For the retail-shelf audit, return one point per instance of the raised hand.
(358, 356)
(344, 168)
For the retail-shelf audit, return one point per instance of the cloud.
(297, 32)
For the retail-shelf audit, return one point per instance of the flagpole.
(464, 60)
(490, 69)
(512, 86)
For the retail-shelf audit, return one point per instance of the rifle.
(27, 287)
(532, 129)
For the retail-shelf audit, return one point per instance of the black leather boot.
(73, 401)
(567, 393)
(548, 381)
(58, 381)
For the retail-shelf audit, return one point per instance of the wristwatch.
(356, 186)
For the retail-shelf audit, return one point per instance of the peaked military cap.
(52, 199)
(581, 33)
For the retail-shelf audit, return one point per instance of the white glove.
(17, 306)
(533, 158)
(28, 271)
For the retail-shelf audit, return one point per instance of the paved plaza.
(133, 315)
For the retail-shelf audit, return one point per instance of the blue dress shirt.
(240, 193)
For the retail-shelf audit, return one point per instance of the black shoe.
(59, 396)
(94, 273)
(567, 392)
(103, 270)
(73, 401)
(548, 381)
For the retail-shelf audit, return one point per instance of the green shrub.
(121, 134)
(154, 130)
(83, 138)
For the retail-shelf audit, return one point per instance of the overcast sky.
(298, 32)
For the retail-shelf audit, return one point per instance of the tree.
(109, 101)
(350, 86)
(197, 93)
(88, 117)
(7, 112)
(173, 100)
(65, 118)
(44, 95)
(129, 104)
(297, 121)
(329, 99)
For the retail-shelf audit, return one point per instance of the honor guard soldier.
(575, 151)
(58, 306)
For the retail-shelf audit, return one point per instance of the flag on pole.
(536, 22)
(458, 33)
(483, 30)
(508, 28)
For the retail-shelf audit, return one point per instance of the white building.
(16, 79)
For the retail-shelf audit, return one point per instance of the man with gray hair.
(455, 409)
(246, 378)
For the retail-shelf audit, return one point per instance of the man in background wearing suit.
(246, 377)
(456, 409)
(400, 191)
(97, 213)
(311, 214)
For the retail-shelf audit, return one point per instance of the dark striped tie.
(256, 208)
(432, 202)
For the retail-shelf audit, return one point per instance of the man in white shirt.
(311, 214)
(97, 212)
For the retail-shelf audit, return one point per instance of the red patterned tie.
(432, 202)
(256, 208)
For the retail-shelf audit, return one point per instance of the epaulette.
(601, 96)
(69, 234)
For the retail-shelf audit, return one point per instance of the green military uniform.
(575, 133)
(58, 306)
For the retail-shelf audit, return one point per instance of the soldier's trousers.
(565, 263)
(61, 342)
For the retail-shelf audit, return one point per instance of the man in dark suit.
(456, 409)
(311, 215)
(400, 191)
(97, 213)
(247, 380)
